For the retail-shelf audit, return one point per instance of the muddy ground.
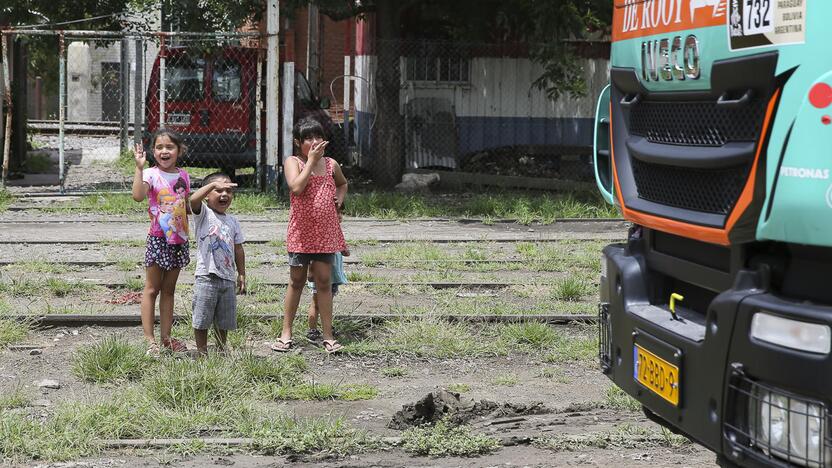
(561, 399)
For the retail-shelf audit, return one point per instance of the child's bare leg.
(152, 286)
(313, 312)
(201, 337)
(322, 273)
(297, 280)
(166, 303)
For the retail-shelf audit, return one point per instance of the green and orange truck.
(714, 140)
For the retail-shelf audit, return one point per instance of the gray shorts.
(215, 302)
(303, 259)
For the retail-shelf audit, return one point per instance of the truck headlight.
(805, 436)
(794, 334)
(789, 428)
(774, 423)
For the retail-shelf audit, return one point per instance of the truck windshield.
(186, 78)
(226, 83)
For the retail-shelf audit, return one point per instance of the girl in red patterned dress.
(318, 188)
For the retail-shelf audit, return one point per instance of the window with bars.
(437, 69)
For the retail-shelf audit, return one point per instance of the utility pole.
(272, 92)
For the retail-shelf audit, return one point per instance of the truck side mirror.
(602, 157)
(325, 104)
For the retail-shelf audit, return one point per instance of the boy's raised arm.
(199, 195)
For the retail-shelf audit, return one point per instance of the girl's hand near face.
(316, 152)
(141, 159)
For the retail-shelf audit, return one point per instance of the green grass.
(257, 203)
(627, 436)
(15, 399)
(443, 440)
(617, 399)
(133, 284)
(126, 264)
(459, 388)
(394, 372)
(39, 266)
(181, 398)
(525, 207)
(13, 331)
(115, 204)
(189, 383)
(571, 288)
(111, 360)
(60, 287)
(126, 163)
(21, 286)
(427, 337)
(361, 277)
(284, 371)
(6, 199)
(533, 336)
(279, 435)
(506, 380)
(38, 163)
(319, 391)
(574, 346)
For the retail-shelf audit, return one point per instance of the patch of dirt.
(450, 406)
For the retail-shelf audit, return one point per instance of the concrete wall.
(84, 75)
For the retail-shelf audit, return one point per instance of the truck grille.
(709, 191)
(702, 123)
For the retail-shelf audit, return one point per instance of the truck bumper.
(743, 398)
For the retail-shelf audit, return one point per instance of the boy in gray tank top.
(220, 262)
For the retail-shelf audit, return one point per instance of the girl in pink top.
(166, 188)
(318, 188)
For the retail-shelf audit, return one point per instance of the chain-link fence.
(460, 108)
(91, 96)
(469, 108)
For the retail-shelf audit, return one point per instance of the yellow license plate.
(658, 375)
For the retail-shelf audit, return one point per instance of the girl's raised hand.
(317, 151)
(140, 156)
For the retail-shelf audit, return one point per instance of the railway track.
(113, 320)
(86, 128)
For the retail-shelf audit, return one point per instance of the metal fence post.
(6, 98)
(138, 94)
(125, 93)
(260, 173)
(162, 94)
(287, 113)
(61, 107)
(272, 92)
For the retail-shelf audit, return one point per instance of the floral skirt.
(166, 256)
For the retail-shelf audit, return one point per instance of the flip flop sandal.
(281, 346)
(332, 346)
(152, 350)
(177, 346)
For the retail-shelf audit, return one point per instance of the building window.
(437, 69)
